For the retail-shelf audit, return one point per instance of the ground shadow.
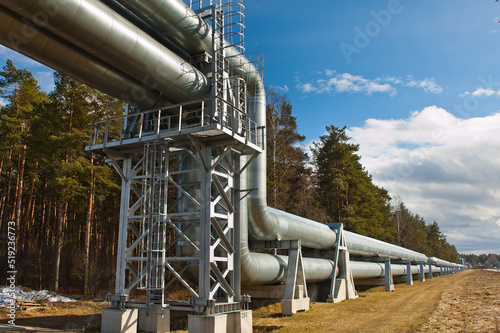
(65, 322)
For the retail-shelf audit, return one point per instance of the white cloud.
(346, 83)
(331, 81)
(3, 102)
(284, 89)
(306, 87)
(480, 92)
(445, 169)
(430, 86)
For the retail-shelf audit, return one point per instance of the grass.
(374, 311)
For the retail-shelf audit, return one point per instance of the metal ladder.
(154, 221)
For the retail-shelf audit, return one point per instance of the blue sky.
(417, 83)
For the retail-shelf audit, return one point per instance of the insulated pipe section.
(440, 262)
(173, 19)
(369, 270)
(127, 14)
(366, 246)
(39, 44)
(97, 29)
(262, 268)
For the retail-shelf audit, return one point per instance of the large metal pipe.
(369, 270)
(25, 37)
(97, 29)
(366, 246)
(440, 262)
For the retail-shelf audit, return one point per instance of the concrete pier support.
(119, 320)
(233, 322)
(157, 320)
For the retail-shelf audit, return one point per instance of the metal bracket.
(295, 297)
(342, 283)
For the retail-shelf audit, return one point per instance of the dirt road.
(473, 305)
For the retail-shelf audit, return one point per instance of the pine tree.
(290, 185)
(346, 190)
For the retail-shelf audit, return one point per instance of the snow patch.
(8, 295)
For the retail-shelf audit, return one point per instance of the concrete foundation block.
(157, 321)
(389, 288)
(291, 306)
(240, 322)
(119, 321)
(234, 322)
(207, 324)
(340, 293)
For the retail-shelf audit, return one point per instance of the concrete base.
(343, 291)
(240, 322)
(234, 322)
(291, 306)
(119, 321)
(157, 321)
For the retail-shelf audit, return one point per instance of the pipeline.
(87, 34)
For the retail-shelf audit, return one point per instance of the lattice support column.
(120, 296)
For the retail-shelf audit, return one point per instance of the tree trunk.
(61, 216)
(28, 217)
(86, 245)
(19, 192)
(6, 196)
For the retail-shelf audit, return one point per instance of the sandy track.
(473, 305)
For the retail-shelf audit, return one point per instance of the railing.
(192, 117)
